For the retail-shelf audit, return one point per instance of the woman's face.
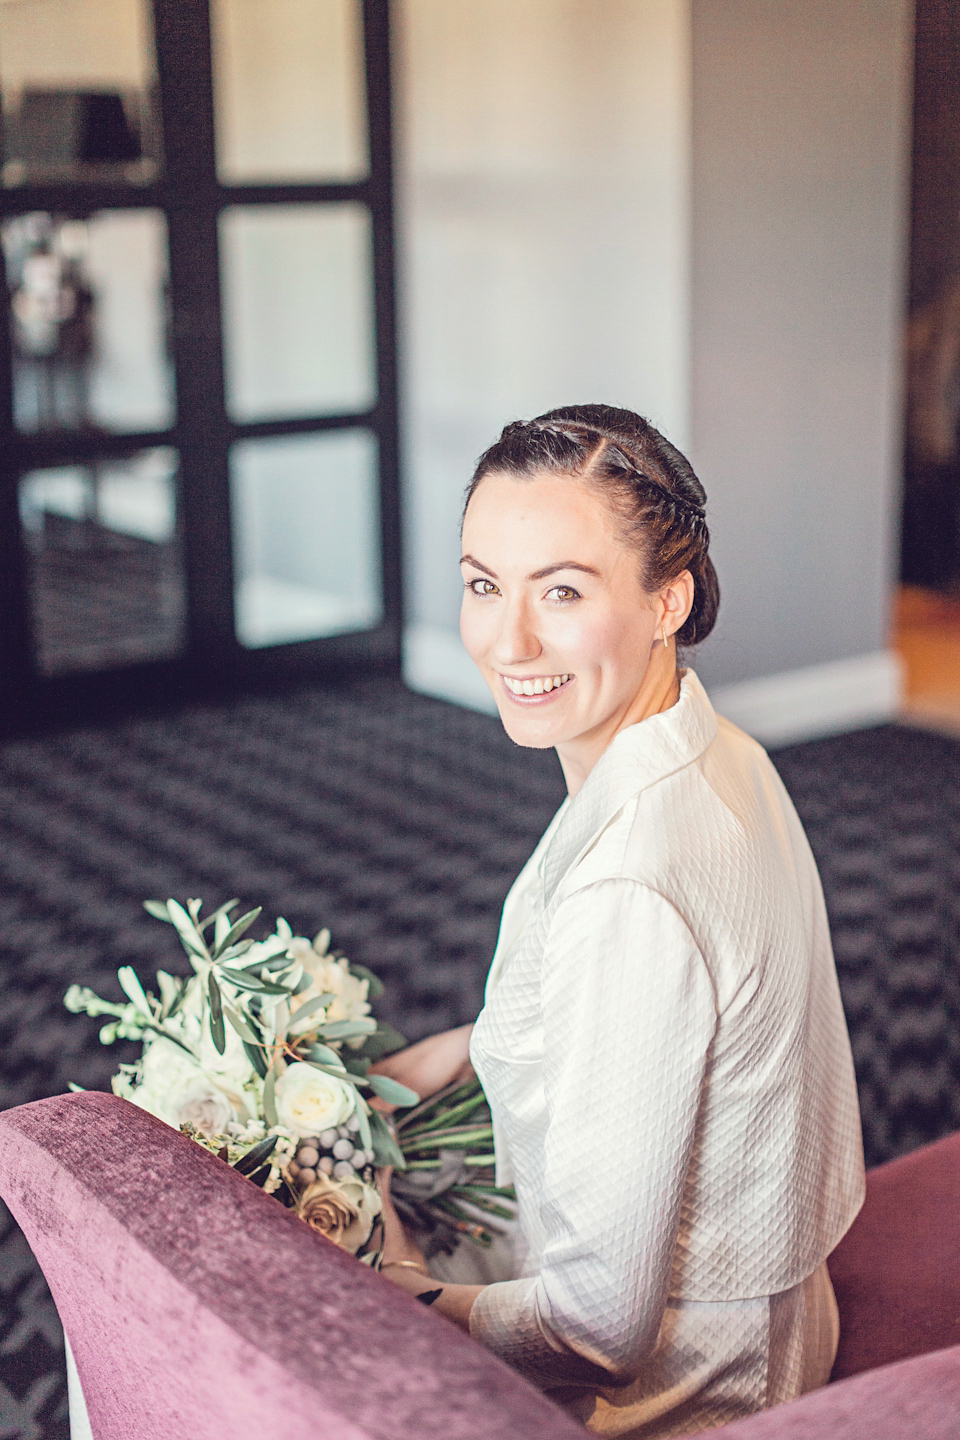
(554, 614)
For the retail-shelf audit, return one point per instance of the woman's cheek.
(474, 630)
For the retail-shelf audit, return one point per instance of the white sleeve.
(629, 1014)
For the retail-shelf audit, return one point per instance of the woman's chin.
(529, 729)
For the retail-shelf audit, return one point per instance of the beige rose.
(343, 1210)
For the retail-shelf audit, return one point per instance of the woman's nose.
(518, 642)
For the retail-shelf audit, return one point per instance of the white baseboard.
(815, 701)
(435, 663)
(777, 709)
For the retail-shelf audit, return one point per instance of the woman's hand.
(431, 1064)
(404, 1264)
(400, 1252)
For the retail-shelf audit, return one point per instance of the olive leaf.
(269, 1100)
(134, 990)
(386, 1151)
(171, 994)
(357, 1064)
(221, 929)
(236, 930)
(256, 1155)
(384, 1041)
(158, 909)
(347, 1029)
(256, 1057)
(363, 1120)
(215, 915)
(375, 985)
(393, 1092)
(190, 937)
(244, 980)
(324, 1056)
(217, 1032)
(301, 1013)
(239, 1022)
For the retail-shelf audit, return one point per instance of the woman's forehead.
(501, 501)
(530, 525)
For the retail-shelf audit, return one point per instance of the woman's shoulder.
(718, 826)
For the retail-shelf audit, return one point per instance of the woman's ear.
(676, 602)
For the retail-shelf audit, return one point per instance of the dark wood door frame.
(192, 198)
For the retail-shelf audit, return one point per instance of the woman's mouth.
(534, 686)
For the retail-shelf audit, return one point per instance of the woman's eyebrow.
(562, 565)
(537, 574)
(469, 560)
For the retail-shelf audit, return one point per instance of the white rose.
(166, 1073)
(310, 1101)
(206, 1108)
(170, 1079)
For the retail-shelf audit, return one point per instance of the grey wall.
(543, 220)
(801, 112)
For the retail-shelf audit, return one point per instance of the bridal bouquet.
(263, 1056)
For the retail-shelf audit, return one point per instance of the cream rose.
(309, 1100)
(343, 1210)
(207, 1109)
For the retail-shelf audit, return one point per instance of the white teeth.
(540, 686)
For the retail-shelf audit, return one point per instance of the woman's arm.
(400, 1256)
(629, 1014)
(431, 1064)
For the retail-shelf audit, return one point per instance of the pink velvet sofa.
(196, 1307)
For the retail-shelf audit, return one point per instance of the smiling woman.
(662, 1041)
(585, 545)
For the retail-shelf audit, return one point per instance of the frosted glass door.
(306, 537)
(289, 90)
(297, 310)
(78, 81)
(105, 571)
(89, 325)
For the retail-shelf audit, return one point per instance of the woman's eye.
(482, 586)
(564, 593)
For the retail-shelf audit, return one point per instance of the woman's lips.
(534, 688)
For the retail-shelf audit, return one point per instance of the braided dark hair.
(651, 487)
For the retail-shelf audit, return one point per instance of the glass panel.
(306, 525)
(289, 89)
(104, 564)
(78, 89)
(297, 310)
(89, 321)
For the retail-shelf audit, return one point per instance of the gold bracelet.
(407, 1265)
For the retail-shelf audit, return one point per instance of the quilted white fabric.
(668, 1068)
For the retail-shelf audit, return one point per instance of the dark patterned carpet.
(400, 822)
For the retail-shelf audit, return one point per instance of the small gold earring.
(663, 632)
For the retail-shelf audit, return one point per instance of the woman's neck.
(659, 691)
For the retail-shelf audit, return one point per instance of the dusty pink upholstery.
(196, 1307)
(897, 1271)
(915, 1400)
